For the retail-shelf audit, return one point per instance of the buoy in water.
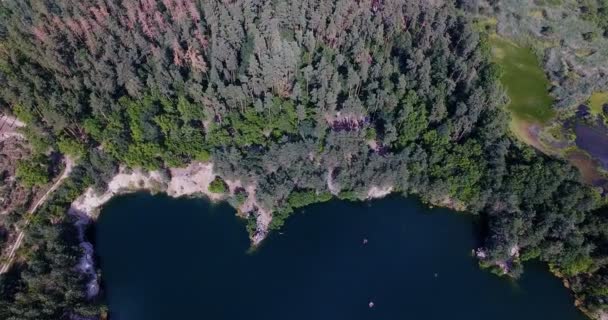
(371, 304)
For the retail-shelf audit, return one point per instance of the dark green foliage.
(301, 99)
(47, 287)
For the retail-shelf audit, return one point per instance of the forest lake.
(166, 258)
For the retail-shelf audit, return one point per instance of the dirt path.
(69, 165)
(9, 127)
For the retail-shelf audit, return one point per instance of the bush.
(34, 172)
(71, 147)
(218, 186)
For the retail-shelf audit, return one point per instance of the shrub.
(34, 172)
(218, 186)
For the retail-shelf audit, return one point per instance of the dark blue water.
(184, 259)
(593, 139)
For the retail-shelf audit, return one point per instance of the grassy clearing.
(549, 2)
(485, 23)
(597, 101)
(537, 14)
(524, 80)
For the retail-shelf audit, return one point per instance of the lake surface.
(181, 259)
(594, 140)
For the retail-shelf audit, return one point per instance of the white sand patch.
(263, 219)
(333, 188)
(194, 179)
(12, 121)
(514, 251)
(373, 144)
(90, 202)
(263, 216)
(191, 180)
(379, 192)
(9, 128)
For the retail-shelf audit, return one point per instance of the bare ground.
(189, 181)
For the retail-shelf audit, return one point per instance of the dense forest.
(287, 95)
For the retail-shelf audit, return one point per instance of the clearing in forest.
(525, 81)
(597, 102)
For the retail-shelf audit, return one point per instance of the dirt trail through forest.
(69, 165)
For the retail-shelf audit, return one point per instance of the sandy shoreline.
(178, 182)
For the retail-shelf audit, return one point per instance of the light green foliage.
(189, 111)
(218, 185)
(143, 155)
(577, 265)
(348, 195)
(597, 102)
(71, 146)
(295, 200)
(24, 114)
(203, 156)
(413, 117)
(92, 126)
(299, 199)
(530, 253)
(33, 172)
(239, 197)
(139, 112)
(39, 142)
(370, 134)
(160, 131)
(258, 128)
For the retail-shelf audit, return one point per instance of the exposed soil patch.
(588, 169)
(9, 127)
(189, 181)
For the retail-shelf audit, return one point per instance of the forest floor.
(12, 248)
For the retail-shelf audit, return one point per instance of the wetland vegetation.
(524, 80)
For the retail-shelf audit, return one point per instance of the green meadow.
(525, 81)
(597, 101)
